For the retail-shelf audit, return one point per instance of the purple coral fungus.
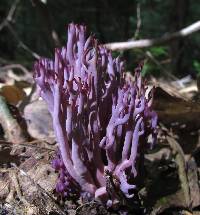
(100, 116)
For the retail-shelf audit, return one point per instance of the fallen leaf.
(12, 94)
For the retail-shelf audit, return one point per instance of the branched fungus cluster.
(101, 118)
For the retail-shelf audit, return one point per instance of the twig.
(153, 59)
(10, 196)
(15, 66)
(13, 177)
(4, 186)
(6, 23)
(21, 44)
(139, 21)
(10, 15)
(27, 76)
(12, 10)
(157, 41)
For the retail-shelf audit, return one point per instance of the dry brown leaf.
(12, 94)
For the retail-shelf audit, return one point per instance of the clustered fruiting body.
(100, 116)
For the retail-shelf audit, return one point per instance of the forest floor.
(27, 146)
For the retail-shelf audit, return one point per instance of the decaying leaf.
(12, 94)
